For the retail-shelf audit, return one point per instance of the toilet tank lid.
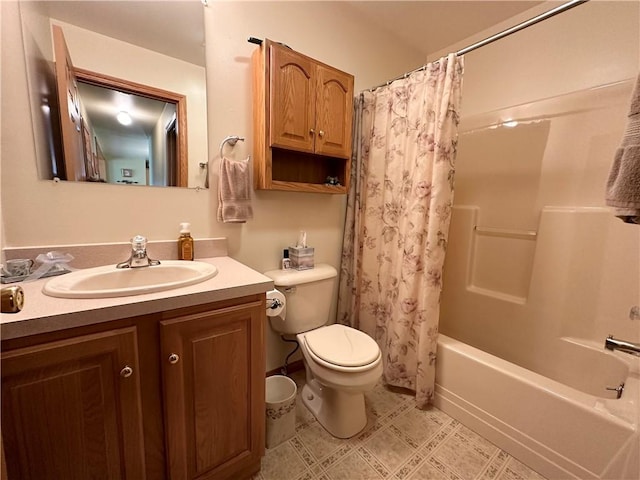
(292, 277)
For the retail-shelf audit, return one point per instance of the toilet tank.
(308, 297)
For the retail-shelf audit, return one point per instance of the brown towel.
(623, 185)
(234, 191)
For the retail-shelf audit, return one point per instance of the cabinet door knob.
(321, 133)
(173, 359)
(126, 372)
(312, 131)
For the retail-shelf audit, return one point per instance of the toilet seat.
(342, 348)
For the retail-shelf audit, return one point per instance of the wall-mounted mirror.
(136, 59)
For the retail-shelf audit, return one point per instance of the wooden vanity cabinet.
(112, 401)
(303, 113)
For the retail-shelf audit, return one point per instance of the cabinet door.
(213, 373)
(292, 100)
(334, 112)
(71, 409)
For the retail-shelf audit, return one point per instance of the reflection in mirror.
(129, 131)
(130, 123)
(121, 58)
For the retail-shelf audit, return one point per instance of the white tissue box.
(301, 257)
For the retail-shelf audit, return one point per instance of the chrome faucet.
(627, 347)
(138, 256)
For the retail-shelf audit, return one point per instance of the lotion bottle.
(185, 242)
(286, 261)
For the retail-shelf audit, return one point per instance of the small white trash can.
(281, 409)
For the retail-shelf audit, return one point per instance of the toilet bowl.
(341, 363)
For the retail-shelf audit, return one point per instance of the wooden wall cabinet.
(177, 395)
(303, 111)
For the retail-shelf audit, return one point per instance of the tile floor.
(399, 442)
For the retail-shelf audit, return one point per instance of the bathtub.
(573, 429)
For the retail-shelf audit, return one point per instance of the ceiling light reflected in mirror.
(124, 118)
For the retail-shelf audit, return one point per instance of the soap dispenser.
(185, 242)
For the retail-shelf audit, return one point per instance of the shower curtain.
(397, 222)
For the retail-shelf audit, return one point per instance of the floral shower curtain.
(398, 213)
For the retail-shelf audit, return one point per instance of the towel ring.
(231, 140)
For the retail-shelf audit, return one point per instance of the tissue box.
(301, 257)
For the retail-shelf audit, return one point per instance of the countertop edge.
(105, 310)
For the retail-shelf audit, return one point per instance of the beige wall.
(591, 44)
(567, 81)
(44, 213)
(594, 44)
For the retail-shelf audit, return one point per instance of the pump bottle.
(185, 242)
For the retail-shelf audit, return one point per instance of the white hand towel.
(623, 185)
(234, 191)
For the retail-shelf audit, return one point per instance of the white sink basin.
(109, 281)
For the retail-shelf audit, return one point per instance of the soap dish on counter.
(55, 271)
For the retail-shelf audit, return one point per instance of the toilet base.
(341, 413)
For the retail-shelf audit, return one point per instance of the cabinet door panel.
(214, 392)
(68, 414)
(221, 399)
(292, 100)
(334, 110)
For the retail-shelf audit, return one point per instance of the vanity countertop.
(42, 313)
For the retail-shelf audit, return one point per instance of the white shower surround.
(537, 274)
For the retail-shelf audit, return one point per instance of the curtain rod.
(516, 28)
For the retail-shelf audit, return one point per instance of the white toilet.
(341, 363)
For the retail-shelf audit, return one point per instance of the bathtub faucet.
(627, 347)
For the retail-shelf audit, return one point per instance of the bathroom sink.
(109, 281)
